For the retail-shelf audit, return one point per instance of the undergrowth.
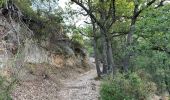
(5, 88)
(130, 86)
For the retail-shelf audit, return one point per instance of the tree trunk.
(129, 53)
(95, 49)
(103, 31)
(104, 52)
(129, 39)
(110, 57)
(96, 57)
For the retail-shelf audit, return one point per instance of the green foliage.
(127, 87)
(1, 2)
(4, 90)
(25, 6)
(77, 38)
(45, 20)
(124, 7)
(157, 64)
(89, 46)
(152, 46)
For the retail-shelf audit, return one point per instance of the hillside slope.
(37, 66)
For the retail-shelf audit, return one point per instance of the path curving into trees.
(85, 87)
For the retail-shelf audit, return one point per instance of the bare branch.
(160, 4)
(87, 22)
(88, 12)
(112, 12)
(119, 34)
(84, 34)
(147, 5)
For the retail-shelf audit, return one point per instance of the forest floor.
(82, 87)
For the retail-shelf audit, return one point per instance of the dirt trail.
(85, 87)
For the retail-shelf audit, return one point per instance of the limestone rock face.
(8, 40)
(35, 54)
(5, 55)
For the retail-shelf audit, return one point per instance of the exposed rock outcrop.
(17, 48)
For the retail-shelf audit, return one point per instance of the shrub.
(126, 87)
(5, 88)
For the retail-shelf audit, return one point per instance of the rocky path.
(85, 87)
